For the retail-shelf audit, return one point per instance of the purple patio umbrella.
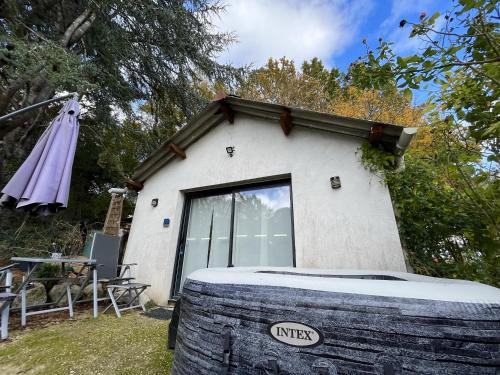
(41, 184)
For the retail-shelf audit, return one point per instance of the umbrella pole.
(37, 105)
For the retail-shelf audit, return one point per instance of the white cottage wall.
(351, 228)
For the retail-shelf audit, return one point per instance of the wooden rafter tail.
(133, 185)
(286, 121)
(226, 111)
(177, 150)
(376, 133)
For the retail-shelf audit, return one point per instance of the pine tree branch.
(82, 29)
(68, 34)
(6, 97)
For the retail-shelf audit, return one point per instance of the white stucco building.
(247, 183)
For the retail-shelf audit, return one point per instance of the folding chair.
(6, 298)
(105, 250)
(132, 290)
(118, 277)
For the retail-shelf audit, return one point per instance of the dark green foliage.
(461, 59)
(330, 78)
(376, 159)
(448, 197)
(49, 271)
(440, 226)
(117, 55)
(22, 234)
(443, 232)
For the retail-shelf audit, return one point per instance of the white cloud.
(296, 29)
(275, 198)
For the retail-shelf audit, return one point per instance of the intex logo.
(295, 334)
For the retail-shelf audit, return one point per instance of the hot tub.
(304, 321)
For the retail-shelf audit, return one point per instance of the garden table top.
(54, 260)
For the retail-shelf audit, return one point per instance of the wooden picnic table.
(34, 263)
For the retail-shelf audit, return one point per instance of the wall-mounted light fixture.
(230, 150)
(154, 202)
(335, 182)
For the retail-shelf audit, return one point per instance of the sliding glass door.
(262, 227)
(207, 239)
(239, 227)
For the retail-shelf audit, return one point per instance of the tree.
(444, 198)
(330, 79)
(448, 195)
(118, 55)
(375, 105)
(279, 82)
(461, 59)
(316, 88)
(110, 52)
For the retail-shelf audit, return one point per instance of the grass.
(134, 344)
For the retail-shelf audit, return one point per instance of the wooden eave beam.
(286, 121)
(177, 150)
(227, 112)
(376, 133)
(133, 185)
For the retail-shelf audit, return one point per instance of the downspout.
(403, 142)
(401, 146)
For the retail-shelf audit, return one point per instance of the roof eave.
(182, 138)
(211, 116)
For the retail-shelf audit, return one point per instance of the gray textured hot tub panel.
(362, 334)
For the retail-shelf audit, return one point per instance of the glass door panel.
(244, 227)
(207, 237)
(263, 227)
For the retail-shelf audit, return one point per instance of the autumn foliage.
(316, 88)
(444, 200)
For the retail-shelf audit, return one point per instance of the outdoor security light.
(154, 202)
(230, 150)
(335, 181)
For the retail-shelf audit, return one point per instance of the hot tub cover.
(305, 321)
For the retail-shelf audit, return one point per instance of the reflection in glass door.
(240, 227)
(207, 239)
(262, 227)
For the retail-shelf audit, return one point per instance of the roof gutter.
(402, 145)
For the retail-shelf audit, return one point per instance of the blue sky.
(329, 29)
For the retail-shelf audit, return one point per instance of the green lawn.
(133, 344)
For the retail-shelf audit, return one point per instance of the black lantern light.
(335, 182)
(230, 150)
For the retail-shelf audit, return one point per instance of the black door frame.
(188, 197)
